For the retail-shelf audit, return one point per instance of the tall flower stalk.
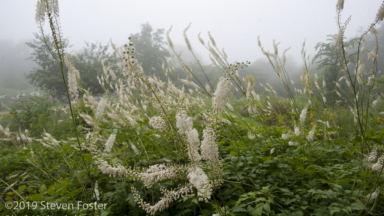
(50, 9)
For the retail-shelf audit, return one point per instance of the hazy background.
(234, 25)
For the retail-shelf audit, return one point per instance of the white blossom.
(207, 87)
(110, 141)
(371, 80)
(348, 83)
(375, 102)
(251, 135)
(338, 93)
(297, 130)
(340, 5)
(73, 77)
(157, 123)
(97, 193)
(324, 98)
(193, 147)
(199, 180)
(219, 99)
(339, 38)
(311, 133)
(372, 55)
(183, 122)
(229, 106)
(284, 136)
(379, 164)
(303, 114)
(134, 148)
(101, 107)
(380, 14)
(373, 155)
(209, 149)
(373, 195)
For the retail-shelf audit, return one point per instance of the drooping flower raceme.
(375, 102)
(373, 155)
(297, 130)
(311, 133)
(199, 180)
(380, 14)
(41, 9)
(5, 132)
(110, 141)
(194, 144)
(73, 77)
(100, 107)
(183, 122)
(219, 99)
(156, 173)
(169, 197)
(209, 149)
(371, 80)
(339, 39)
(373, 195)
(97, 193)
(303, 115)
(379, 164)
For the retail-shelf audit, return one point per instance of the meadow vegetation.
(191, 143)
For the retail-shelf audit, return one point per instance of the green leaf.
(358, 139)
(371, 133)
(104, 213)
(259, 209)
(21, 188)
(267, 207)
(183, 212)
(357, 206)
(239, 209)
(36, 197)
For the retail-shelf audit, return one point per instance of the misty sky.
(235, 25)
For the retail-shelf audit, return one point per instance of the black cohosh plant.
(164, 150)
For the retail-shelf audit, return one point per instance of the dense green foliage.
(312, 178)
(153, 146)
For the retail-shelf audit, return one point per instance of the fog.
(234, 25)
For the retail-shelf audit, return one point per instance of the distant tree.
(88, 62)
(149, 49)
(327, 59)
(47, 75)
